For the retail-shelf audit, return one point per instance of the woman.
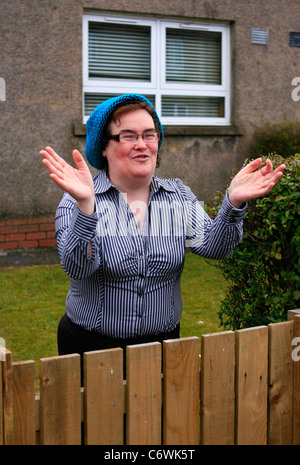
(122, 234)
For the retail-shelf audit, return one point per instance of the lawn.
(33, 301)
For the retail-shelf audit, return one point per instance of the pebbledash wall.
(42, 85)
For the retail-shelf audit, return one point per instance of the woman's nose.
(140, 142)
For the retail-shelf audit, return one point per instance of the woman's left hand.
(250, 183)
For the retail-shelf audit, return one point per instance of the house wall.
(41, 63)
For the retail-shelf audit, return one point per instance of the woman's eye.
(128, 137)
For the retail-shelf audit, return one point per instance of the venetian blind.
(193, 56)
(192, 107)
(119, 51)
(93, 99)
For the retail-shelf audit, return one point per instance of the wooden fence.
(247, 391)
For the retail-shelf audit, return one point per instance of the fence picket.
(8, 427)
(143, 411)
(181, 391)
(60, 403)
(24, 403)
(251, 385)
(103, 397)
(280, 431)
(218, 388)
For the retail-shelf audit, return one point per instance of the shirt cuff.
(83, 225)
(231, 214)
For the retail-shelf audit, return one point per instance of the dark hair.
(115, 117)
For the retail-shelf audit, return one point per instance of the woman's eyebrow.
(134, 132)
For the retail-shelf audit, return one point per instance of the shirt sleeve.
(76, 239)
(214, 238)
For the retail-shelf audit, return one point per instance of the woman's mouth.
(141, 157)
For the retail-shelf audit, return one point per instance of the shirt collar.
(102, 183)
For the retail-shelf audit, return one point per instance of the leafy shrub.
(264, 270)
(281, 138)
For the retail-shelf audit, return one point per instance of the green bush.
(263, 272)
(281, 138)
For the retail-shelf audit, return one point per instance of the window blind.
(93, 99)
(119, 51)
(295, 39)
(193, 56)
(192, 107)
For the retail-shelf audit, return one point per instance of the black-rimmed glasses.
(131, 136)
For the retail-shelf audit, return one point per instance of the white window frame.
(157, 85)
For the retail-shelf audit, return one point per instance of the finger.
(280, 168)
(253, 165)
(53, 157)
(60, 182)
(52, 165)
(79, 160)
(55, 160)
(267, 168)
(273, 174)
(269, 182)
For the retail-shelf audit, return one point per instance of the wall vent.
(295, 39)
(260, 36)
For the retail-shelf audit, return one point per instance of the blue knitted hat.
(98, 120)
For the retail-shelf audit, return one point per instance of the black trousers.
(73, 339)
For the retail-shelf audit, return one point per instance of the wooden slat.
(293, 313)
(251, 385)
(143, 411)
(60, 414)
(103, 397)
(296, 359)
(181, 391)
(8, 434)
(24, 403)
(280, 423)
(218, 388)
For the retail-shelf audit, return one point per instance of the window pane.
(119, 51)
(193, 56)
(193, 106)
(92, 100)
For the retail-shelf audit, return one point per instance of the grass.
(33, 301)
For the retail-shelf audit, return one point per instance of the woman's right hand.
(77, 182)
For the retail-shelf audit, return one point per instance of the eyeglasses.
(131, 136)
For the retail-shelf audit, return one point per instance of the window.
(182, 68)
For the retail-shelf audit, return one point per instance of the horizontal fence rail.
(244, 389)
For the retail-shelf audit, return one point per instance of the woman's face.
(131, 161)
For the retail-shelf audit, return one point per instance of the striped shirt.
(125, 281)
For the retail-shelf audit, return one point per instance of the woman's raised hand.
(250, 183)
(78, 182)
